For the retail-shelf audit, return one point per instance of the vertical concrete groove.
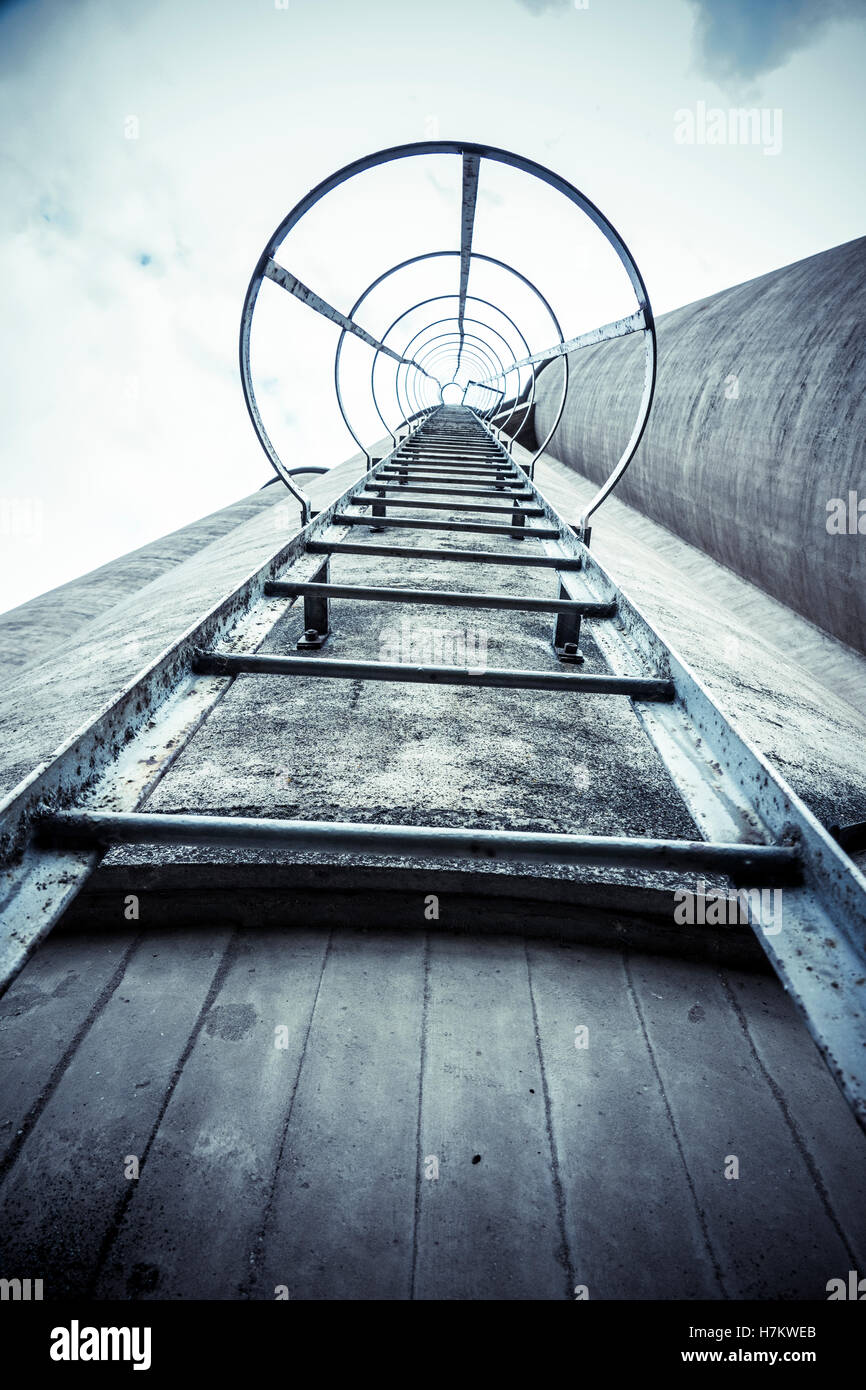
(556, 1174)
(418, 1178)
(799, 1141)
(717, 1269)
(245, 1289)
(33, 1114)
(123, 1205)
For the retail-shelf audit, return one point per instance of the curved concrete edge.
(755, 450)
(793, 691)
(107, 625)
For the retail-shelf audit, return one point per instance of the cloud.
(742, 39)
(539, 6)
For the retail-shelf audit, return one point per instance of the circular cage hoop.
(471, 155)
(420, 303)
(436, 299)
(430, 256)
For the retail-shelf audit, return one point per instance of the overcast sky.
(150, 147)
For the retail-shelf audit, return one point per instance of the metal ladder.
(55, 827)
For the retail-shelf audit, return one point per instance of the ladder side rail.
(122, 752)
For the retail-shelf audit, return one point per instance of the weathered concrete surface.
(341, 1215)
(757, 655)
(285, 747)
(30, 632)
(309, 1165)
(443, 756)
(306, 1165)
(470, 902)
(67, 1186)
(89, 638)
(214, 1171)
(797, 694)
(759, 420)
(452, 756)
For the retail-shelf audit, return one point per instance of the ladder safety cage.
(58, 823)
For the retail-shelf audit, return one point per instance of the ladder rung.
(452, 466)
(505, 481)
(399, 490)
(411, 523)
(453, 461)
(450, 471)
(447, 598)
(472, 465)
(231, 664)
(752, 863)
(363, 501)
(408, 552)
(425, 446)
(449, 456)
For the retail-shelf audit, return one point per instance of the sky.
(150, 147)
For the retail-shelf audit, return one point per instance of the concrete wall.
(759, 420)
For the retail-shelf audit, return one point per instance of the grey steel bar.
(364, 501)
(503, 488)
(467, 223)
(454, 465)
(486, 528)
(756, 863)
(618, 329)
(316, 615)
(567, 627)
(446, 598)
(475, 443)
(454, 461)
(488, 476)
(230, 664)
(411, 552)
(452, 458)
(466, 455)
(507, 480)
(389, 487)
(296, 287)
(456, 452)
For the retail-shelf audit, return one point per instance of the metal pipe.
(752, 863)
(446, 598)
(486, 528)
(388, 487)
(481, 472)
(231, 664)
(452, 474)
(411, 552)
(417, 503)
